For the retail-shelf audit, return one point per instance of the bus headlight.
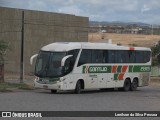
(37, 78)
(62, 79)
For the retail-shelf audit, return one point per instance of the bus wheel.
(78, 87)
(127, 85)
(134, 85)
(53, 91)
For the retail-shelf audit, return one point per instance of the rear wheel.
(134, 85)
(53, 91)
(127, 85)
(78, 87)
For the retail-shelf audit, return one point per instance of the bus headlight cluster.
(62, 79)
(37, 78)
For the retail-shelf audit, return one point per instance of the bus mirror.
(64, 59)
(31, 59)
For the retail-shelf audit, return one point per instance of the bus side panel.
(70, 82)
(90, 81)
(111, 83)
(102, 80)
(144, 79)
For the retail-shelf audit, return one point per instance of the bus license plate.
(45, 86)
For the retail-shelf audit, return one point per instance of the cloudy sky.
(147, 11)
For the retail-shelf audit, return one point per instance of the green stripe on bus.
(108, 69)
(116, 76)
(119, 69)
(83, 69)
(144, 68)
(130, 68)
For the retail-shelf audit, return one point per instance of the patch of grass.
(4, 87)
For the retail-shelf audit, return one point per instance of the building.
(40, 28)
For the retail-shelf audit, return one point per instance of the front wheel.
(127, 85)
(78, 88)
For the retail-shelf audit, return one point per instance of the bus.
(78, 66)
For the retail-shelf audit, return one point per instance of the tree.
(3, 48)
(156, 54)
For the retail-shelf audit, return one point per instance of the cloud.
(99, 10)
(70, 10)
(145, 8)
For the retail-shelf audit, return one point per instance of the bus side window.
(147, 55)
(98, 56)
(111, 56)
(139, 57)
(85, 57)
(132, 57)
(73, 58)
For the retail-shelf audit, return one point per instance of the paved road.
(144, 99)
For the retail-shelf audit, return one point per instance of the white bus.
(77, 66)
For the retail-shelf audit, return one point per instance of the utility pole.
(22, 51)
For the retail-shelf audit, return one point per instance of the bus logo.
(96, 69)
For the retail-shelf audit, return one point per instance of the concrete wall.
(40, 28)
(155, 71)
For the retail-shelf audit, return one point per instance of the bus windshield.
(48, 64)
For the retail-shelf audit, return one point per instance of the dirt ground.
(155, 81)
(125, 39)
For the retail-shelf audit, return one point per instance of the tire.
(78, 87)
(53, 91)
(134, 85)
(127, 85)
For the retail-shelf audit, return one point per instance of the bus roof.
(66, 46)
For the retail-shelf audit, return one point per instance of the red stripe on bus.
(132, 48)
(120, 76)
(124, 69)
(87, 67)
(114, 69)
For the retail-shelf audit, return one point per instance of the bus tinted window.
(122, 56)
(98, 56)
(126, 56)
(142, 56)
(85, 57)
(111, 56)
(147, 56)
(73, 58)
(132, 57)
(139, 57)
(114, 56)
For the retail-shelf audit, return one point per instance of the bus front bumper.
(56, 86)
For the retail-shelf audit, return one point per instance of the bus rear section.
(112, 68)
